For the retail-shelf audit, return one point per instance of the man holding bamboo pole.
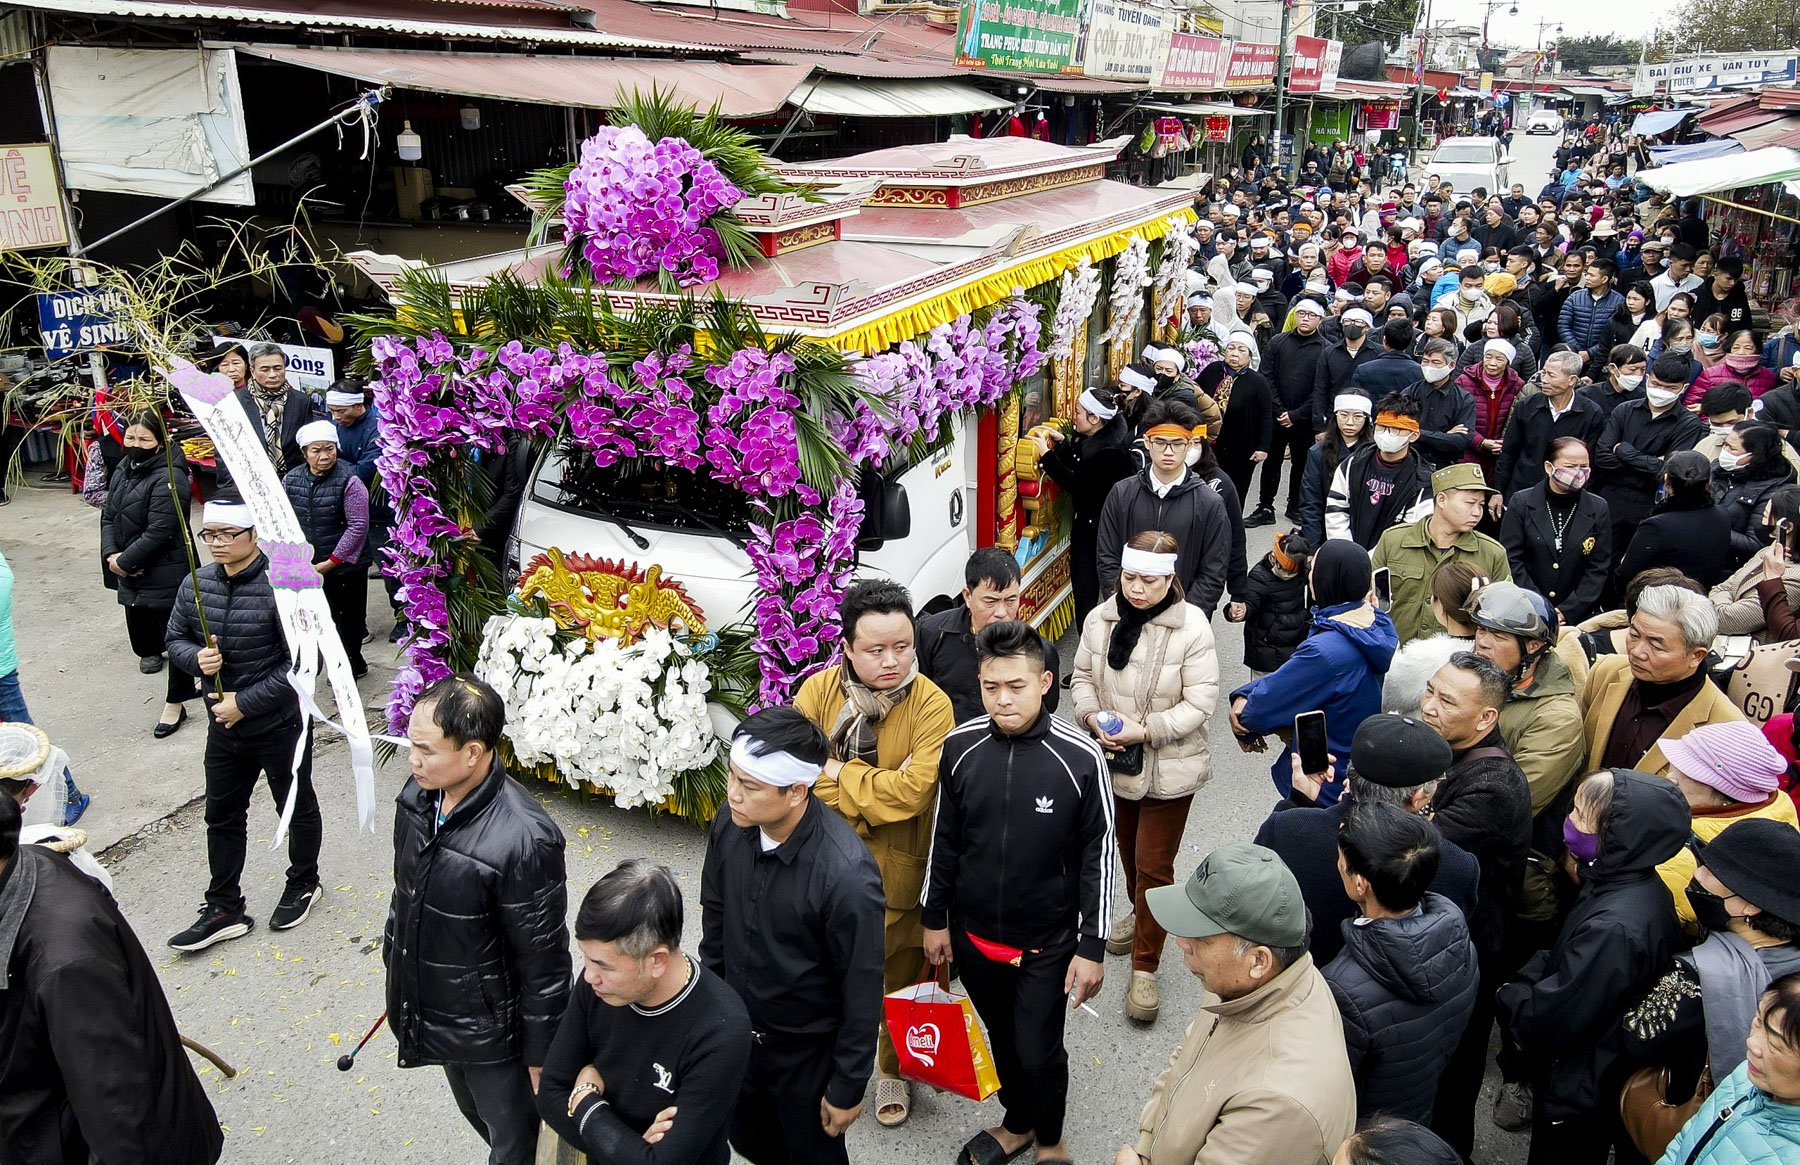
(226, 630)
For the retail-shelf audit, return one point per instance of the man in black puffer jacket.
(476, 947)
(1405, 980)
(254, 728)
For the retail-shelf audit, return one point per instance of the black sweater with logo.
(688, 1054)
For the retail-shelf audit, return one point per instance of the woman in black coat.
(1685, 531)
(145, 560)
(1086, 468)
(1563, 1013)
(1750, 468)
(1248, 403)
(1558, 535)
(1639, 305)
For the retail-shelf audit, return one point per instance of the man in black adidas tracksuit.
(1020, 882)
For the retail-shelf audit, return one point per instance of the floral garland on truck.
(692, 385)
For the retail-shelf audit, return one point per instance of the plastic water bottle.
(1110, 722)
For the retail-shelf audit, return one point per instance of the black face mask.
(140, 458)
(1164, 381)
(1355, 331)
(1709, 908)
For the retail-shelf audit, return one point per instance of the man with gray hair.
(1394, 760)
(1446, 410)
(653, 1046)
(1262, 1074)
(1657, 689)
(1539, 418)
(276, 410)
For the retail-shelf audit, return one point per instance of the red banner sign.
(1381, 115)
(1306, 69)
(1251, 65)
(1194, 62)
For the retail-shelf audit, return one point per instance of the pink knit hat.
(1732, 756)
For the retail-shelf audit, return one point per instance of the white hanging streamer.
(299, 597)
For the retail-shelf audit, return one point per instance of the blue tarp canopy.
(1694, 151)
(1656, 121)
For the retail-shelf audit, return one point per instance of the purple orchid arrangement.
(637, 206)
(440, 406)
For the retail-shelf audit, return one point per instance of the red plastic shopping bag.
(939, 1040)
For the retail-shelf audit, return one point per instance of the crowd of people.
(1529, 811)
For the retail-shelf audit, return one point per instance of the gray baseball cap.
(1240, 889)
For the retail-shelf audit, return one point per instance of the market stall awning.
(1711, 175)
(1783, 131)
(1202, 109)
(1656, 121)
(1694, 151)
(1094, 86)
(591, 82)
(864, 97)
(1588, 91)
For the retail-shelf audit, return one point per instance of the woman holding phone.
(1146, 685)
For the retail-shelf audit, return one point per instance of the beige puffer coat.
(1170, 685)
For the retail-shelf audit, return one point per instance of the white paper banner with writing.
(299, 592)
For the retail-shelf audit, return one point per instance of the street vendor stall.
(829, 371)
(1753, 207)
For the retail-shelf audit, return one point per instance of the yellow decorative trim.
(1006, 510)
(1058, 620)
(881, 334)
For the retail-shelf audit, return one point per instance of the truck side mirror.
(886, 511)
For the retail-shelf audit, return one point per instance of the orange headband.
(1282, 558)
(1176, 432)
(1396, 421)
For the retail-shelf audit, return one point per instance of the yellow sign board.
(31, 205)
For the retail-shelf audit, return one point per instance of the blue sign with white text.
(79, 321)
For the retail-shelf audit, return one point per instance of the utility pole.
(1284, 168)
(1419, 78)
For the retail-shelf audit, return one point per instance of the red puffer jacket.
(1493, 404)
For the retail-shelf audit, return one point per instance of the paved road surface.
(282, 1007)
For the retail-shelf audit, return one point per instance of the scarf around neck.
(1130, 627)
(853, 734)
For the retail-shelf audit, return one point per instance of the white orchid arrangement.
(627, 719)
(1179, 249)
(1075, 296)
(1131, 275)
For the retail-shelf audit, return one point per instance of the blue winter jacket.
(1338, 670)
(1760, 1131)
(359, 444)
(1582, 323)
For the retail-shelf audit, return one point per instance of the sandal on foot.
(983, 1149)
(891, 1095)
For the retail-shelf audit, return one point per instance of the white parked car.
(1468, 163)
(1544, 121)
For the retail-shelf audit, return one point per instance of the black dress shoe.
(163, 731)
(1260, 516)
(150, 664)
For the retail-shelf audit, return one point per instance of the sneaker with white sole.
(1512, 1106)
(1144, 999)
(296, 903)
(213, 926)
(1124, 932)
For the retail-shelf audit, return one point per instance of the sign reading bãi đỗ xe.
(1019, 36)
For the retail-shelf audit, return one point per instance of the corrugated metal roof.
(912, 97)
(593, 82)
(1783, 131)
(869, 65)
(437, 29)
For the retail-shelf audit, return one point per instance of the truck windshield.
(638, 493)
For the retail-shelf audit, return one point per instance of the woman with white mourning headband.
(1086, 467)
(1247, 432)
(1146, 685)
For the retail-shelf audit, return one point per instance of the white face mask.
(1631, 381)
(1391, 441)
(1435, 373)
(1193, 455)
(1729, 460)
(1469, 294)
(1662, 398)
(1720, 431)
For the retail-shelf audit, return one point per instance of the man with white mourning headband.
(253, 728)
(791, 916)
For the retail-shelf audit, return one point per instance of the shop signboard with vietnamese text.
(1380, 115)
(31, 205)
(1127, 40)
(80, 321)
(1250, 65)
(1306, 68)
(1019, 36)
(1700, 74)
(1194, 62)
